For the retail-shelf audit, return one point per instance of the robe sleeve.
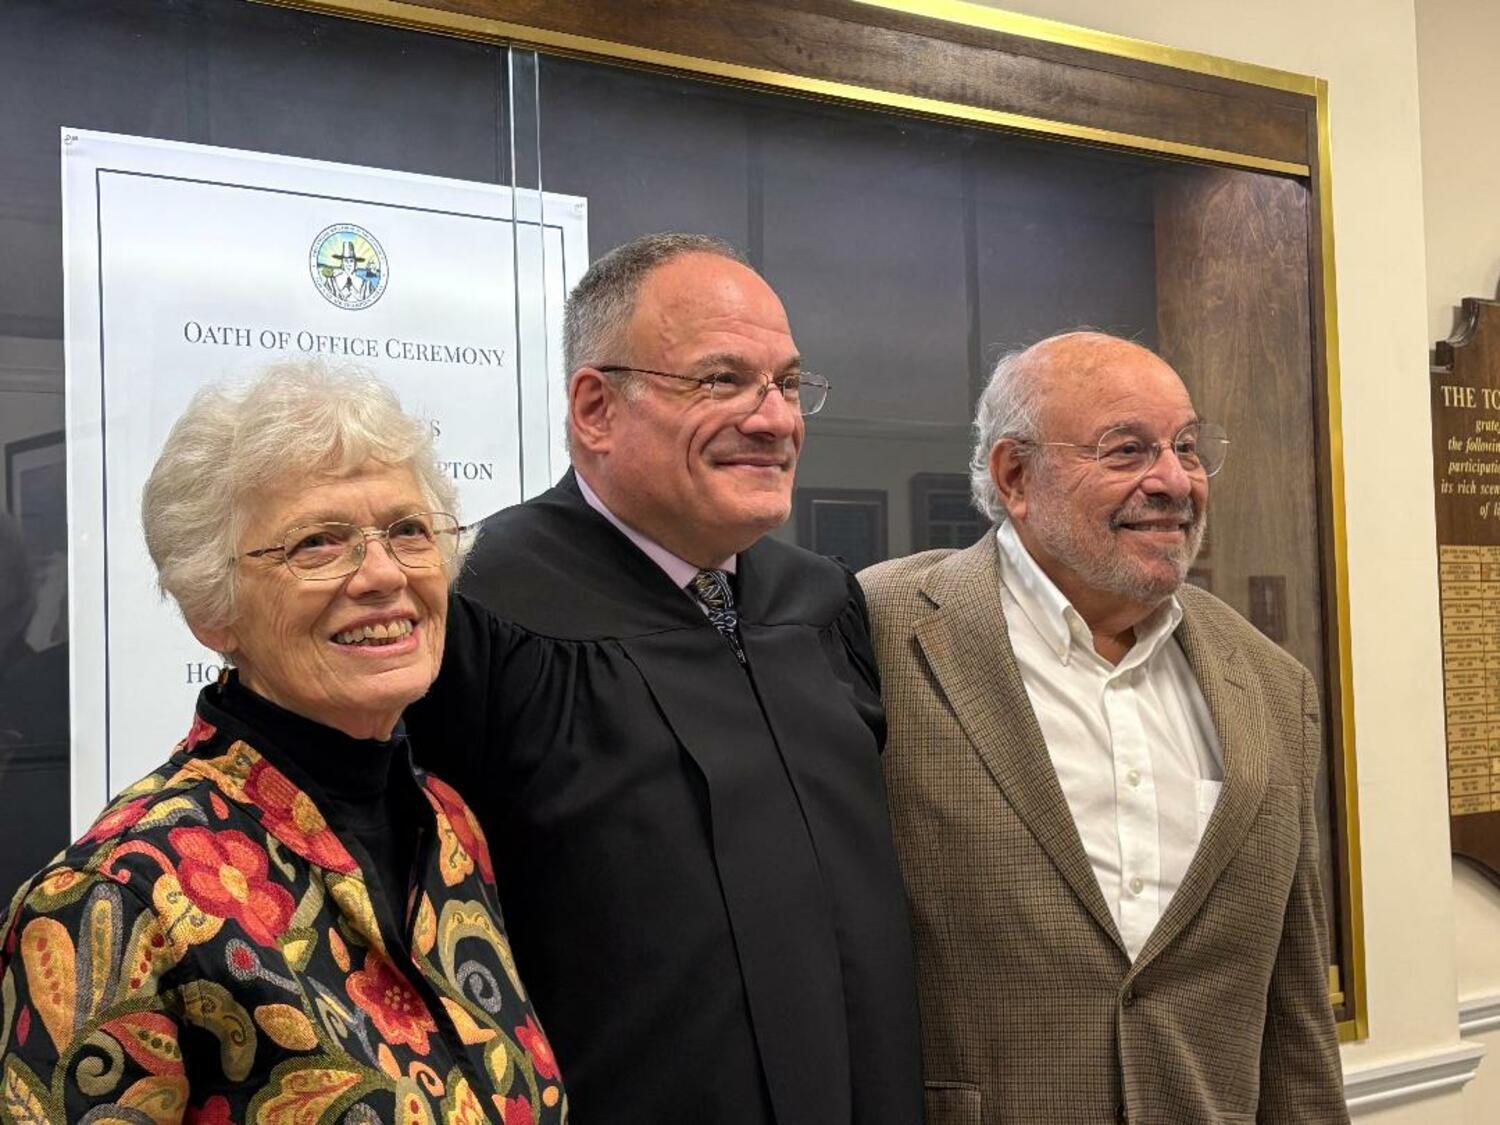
(499, 704)
(851, 655)
(455, 727)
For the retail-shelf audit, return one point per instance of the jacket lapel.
(966, 643)
(1237, 710)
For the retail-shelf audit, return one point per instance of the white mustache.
(1186, 511)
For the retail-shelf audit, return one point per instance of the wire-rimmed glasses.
(1200, 447)
(318, 552)
(802, 390)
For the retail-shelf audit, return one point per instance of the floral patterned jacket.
(209, 953)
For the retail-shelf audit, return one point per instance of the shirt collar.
(679, 570)
(1062, 627)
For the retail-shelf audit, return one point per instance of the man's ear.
(1010, 470)
(593, 401)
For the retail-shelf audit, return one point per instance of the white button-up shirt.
(1133, 744)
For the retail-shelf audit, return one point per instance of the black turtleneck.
(363, 786)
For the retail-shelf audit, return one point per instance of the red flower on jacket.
(215, 1111)
(290, 815)
(224, 873)
(391, 1002)
(464, 823)
(530, 1036)
(517, 1111)
(201, 731)
(115, 821)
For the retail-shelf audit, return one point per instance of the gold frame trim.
(970, 14)
(418, 18)
(1359, 1027)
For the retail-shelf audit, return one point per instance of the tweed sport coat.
(1031, 1009)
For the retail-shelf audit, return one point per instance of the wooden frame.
(953, 61)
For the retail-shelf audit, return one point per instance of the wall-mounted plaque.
(1466, 483)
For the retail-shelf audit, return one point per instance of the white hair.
(235, 442)
(1010, 407)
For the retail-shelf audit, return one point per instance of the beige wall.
(1456, 45)
(1457, 42)
(1367, 51)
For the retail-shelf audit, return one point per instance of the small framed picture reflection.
(849, 523)
(36, 492)
(943, 512)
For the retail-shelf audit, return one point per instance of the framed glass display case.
(927, 184)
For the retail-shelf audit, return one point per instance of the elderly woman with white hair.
(288, 921)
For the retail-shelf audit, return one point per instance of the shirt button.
(1137, 885)
(1127, 998)
(1121, 1116)
(1134, 777)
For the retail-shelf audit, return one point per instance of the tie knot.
(713, 589)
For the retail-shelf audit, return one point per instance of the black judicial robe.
(694, 858)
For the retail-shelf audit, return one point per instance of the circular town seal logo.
(348, 266)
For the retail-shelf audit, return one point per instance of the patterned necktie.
(712, 589)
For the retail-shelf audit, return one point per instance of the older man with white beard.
(1102, 780)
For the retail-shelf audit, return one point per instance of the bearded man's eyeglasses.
(802, 390)
(317, 552)
(1200, 447)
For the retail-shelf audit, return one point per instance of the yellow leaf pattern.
(163, 1098)
(47, 953)
(301, 1094)
(287, 1026)
(454, 860)
(468, 1031)
(461, 1107)
(208, 1004)
(424, 929)
(353, 898)
(21, 1096)
(99, 961)
(183, 924)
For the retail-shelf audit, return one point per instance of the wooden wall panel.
(1234, 319)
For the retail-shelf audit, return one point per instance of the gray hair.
(236, 441)
(1011, 404)
(1010, 407)
(599, 308)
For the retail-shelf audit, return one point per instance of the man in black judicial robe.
(683, 795)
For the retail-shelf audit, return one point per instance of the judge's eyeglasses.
(802, 390)
(316, 552)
